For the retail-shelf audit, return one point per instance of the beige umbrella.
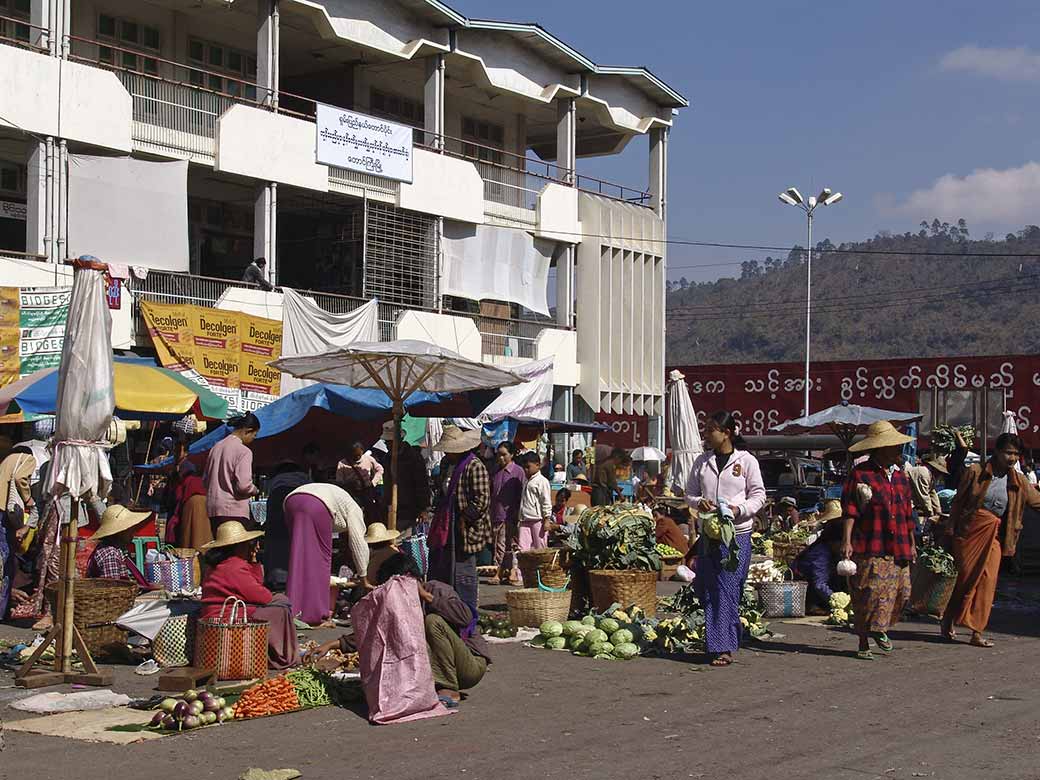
(398, 368)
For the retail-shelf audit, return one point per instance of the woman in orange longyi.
(986, 518)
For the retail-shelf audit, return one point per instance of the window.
(12, 178)
(17, 9)
(486, 134)
(134, 40)
(399, 109)
(228, 70)
(981, 408)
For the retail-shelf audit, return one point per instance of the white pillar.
(659, 171)
(265, 228)
(433, 102)
(41, 16)
(566, 139)
(267, 44)
(36, 237)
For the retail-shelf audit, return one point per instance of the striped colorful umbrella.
(143, 392)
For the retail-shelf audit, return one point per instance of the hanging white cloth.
(531, 398)
(308, 329)
(683, 432)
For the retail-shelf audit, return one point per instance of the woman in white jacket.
(728, 477)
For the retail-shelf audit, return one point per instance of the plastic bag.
(389, 628)
(684, 573)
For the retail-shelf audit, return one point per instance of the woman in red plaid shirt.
(879, 536)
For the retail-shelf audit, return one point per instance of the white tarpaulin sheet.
(86, 398)
(308, 329)
(129, 211)
(531, 398)
(500, 264)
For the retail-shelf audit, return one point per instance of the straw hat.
(377, 532)
(457, 440)
(388, 431)
(831, 510)
(788, 501)
(118, 518)
(879, 435)
(230, 533)
(937, 462)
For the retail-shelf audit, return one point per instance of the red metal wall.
(765, 394)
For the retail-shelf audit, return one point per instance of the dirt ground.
(797, 707)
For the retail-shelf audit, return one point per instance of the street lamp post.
(792, 197)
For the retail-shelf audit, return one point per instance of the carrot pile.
(270, 697)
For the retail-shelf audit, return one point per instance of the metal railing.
(500, 336)
(24, 34)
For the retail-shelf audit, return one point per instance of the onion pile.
(193, 710)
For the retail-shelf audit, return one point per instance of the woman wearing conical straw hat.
(878, 535)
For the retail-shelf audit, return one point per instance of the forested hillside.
(936, 292)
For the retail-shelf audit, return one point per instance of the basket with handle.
(786, 552)
(783, 599)
(544, 563)
(232, 644)
(930, 592)
(624, 587)
(174, 645)
(175, 569)
(533, 606)
(99, 601)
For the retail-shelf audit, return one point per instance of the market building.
(955, 391)
(185, 139)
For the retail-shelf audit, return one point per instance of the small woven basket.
(532, 607)
(786, 552)
(930, 592)
(783, 599)
(545, 562)
(625, 588)
(98, 602)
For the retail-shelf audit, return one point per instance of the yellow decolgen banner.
(229, 349)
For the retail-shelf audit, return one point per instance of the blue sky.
(911, 109)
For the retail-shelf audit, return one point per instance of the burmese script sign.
(365, 144)
(226, 351)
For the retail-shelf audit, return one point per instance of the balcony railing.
(500, 337)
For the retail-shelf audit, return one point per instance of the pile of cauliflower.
(841, 609)
(765, 571)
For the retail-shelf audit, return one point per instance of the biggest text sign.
(364, 144)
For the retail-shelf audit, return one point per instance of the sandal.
(883, 642)
(980, 642)
(864, 655)
(448, 702)
(722, 659)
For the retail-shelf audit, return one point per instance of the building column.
(566, 139)
(659, 171)
(265, 228)
(433, 102)
(40, 16)
(267, 44)
(37, 237)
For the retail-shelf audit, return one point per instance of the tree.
(683, 283)
(962, 228)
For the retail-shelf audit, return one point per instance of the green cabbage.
(555, 643)
(551, 628)
(570, 627)
(539, 641)
(608, 626)
(621, 637)
(595, 635)
(626, 651)
(575, 641)
(589, 620)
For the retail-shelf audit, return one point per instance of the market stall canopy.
(845, 421)
(330, 416)
(646, 454)
(142, 392)
(400, 369)
(684, 435)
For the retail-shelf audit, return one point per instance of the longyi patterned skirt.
(880, 589)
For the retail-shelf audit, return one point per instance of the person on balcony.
(254, 274)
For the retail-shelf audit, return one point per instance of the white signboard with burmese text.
(365, 144)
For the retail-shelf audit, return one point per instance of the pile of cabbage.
(614, 635)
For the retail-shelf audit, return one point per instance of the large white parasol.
(398, 368)
(85, 403)
(845, 421)
(683, 433)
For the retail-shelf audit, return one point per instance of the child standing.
(536, 510)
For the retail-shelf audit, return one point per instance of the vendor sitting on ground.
(459, 656)
(110, 558)
(381, 547)
(235, 573)
(816, 563)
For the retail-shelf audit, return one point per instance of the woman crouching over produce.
(728, 475)
(459, 656)
(235, 573)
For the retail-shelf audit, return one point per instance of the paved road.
(799, 707)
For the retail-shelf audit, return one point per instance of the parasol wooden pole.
(391, 519)
(147, 457)
(67, 599)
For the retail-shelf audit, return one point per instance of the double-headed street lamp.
(792, 197)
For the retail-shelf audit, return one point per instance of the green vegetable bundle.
(618, 537)
(938, 561)
(309, 686)
(943, 440)
(718, 530)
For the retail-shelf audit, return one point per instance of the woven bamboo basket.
(625, 588)
(532, 607)
(98, 602)
(545, 561)
(930, 592)
(786, 552)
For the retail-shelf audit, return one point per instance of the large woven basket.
(532, 607)
(625, 588)
(930, 592)
(545, 562)
(786, 552)
(98, 602)
(782, 599)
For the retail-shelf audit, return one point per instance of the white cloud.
(1020, 64)
(984, 195)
